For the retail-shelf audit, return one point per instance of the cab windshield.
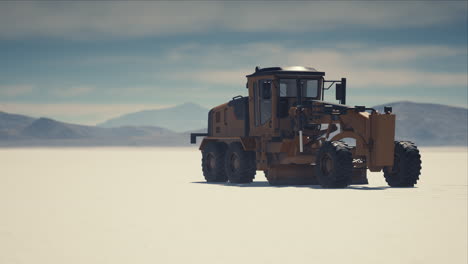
(309, 88)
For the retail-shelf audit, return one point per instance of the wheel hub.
(211, 162)
(235, 162)
(326, 164)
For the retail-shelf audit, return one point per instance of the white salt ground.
(150, 205)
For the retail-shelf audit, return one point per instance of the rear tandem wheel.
(213, 156)
(240, 164)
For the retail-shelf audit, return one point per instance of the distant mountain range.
(184, 117)
(425, 124)
(430, 124)
(19, 130)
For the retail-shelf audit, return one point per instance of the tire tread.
(410, 165)
(219, 151)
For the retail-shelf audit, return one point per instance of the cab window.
(309, 88)
(265, 100)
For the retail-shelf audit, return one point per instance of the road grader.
(285, 128)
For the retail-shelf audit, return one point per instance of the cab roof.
(300, 70)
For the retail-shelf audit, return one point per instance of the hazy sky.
(85, 61)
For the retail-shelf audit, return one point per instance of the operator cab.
(275, 90)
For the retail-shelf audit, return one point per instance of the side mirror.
(266, 91)
(340, 93)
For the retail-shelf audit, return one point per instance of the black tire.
(240, 164)
(406, 165)
(334, 165)
(213, 156)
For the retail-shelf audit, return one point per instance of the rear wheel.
(239, 164)
(334, 165)
(213, 156)
(406, 165)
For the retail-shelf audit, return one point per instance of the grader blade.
(291, 175)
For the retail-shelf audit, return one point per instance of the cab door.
(263, 100)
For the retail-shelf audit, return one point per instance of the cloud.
(316, 16)
(72, 91)
(211, 76)
(364, 66)
(391, 54)
(89, 114)
(136, 19)
(15, 90)
(385, 66)
(399, 78)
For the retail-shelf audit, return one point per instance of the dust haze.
(151, 205)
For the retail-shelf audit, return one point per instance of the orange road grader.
(285, 128)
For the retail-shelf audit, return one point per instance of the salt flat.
(150, 205)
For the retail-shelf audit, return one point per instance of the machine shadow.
(260, 184)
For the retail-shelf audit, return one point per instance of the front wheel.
(334, 165)
(406, 165)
